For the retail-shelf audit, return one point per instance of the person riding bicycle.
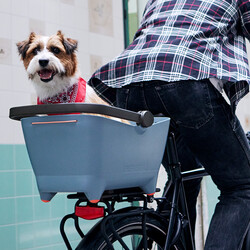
(184, 54)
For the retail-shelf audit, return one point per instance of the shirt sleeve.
(244, 11)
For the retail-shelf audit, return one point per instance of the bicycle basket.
(91, 154)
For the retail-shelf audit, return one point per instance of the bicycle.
(132, 227)
(163, 228)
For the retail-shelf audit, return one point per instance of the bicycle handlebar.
(142, 118)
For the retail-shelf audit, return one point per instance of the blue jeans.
(209, 134)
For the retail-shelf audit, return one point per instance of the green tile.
(8, 237)
(70, 205)
(7, 184)
(42, 233)
(7, 211)
(42, 211)
(34, 184)
(24, 209)
(75, 243)
(58, 206)
(53, 247)
(25, 236)
(24, 183)
(71, 231)
(21, 157)
(58, 247)
(86, 225)
(56, 237)
(212, 195)
(7, 157)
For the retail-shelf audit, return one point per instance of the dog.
(52, 66)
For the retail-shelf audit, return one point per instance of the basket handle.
(142, 118)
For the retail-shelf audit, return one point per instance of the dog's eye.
(35, 51)
(55, 50)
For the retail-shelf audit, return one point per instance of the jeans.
(209, 134)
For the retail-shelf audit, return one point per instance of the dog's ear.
(69, 44)
(22, 48)
(24, 45)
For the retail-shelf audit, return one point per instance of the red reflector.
(89, 213)
(45, 201)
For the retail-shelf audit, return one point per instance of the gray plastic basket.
(91, 154)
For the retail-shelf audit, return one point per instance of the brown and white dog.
(52, 66)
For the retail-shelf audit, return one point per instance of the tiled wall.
(25, 221)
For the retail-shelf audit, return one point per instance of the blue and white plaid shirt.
(182, 40)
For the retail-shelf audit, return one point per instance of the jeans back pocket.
(187, 102)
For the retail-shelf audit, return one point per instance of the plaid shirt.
(182, 40)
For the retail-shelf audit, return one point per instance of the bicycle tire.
(129, 227)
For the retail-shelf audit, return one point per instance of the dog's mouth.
(46, 75)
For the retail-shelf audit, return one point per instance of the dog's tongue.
(45, 73)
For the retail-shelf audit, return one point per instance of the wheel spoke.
(130, 232)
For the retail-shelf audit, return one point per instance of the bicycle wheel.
(130, 230)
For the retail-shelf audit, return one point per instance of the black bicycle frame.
(178, 202)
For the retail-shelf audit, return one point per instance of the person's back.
(191, 39)
(182, 54)
(182, 40)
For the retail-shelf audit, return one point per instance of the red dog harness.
(76, 93)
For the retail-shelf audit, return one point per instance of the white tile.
(52, 28)
(36, 9)
(118, 28)
(10, 99)
(5, 103)
(83, 41)
(101, 45)
(81, 19)
(6, 77)
(70, 33)
(37, 26)
(5, 51)
(84, 64)
(6, 131)
(96, 62)
(19, 7)
(52, 11)
(10, 131)
(67, 15)
(117, 9)
(83, 4)
(5, 25)
(68, 2)
(5, 6)
(17, 133)
(119, 46)
(20, 28)
(20, 81)
(16, 60)
(101, 17)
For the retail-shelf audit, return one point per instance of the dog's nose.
(43, 62)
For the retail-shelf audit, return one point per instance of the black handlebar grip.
(146, 118)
